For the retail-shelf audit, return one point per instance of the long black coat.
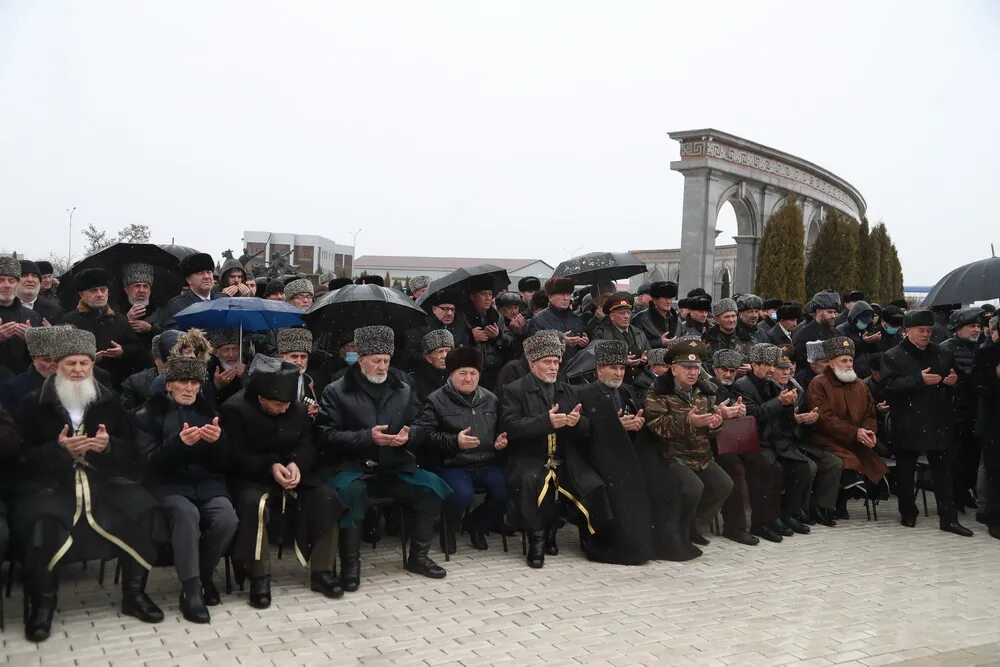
(965, 399)
(776, 425)
(494, 350)
(988, 387)
(347, 414)
(922, 416)
(108, 326)
(446, 412)
(165, 316)
(807, 331)
(13, 351)
(413, 353)
(426, 380)
(653, 324)
(776, 336)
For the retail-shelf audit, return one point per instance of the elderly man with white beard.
(137, 279)
(29, 291)
(72, 498)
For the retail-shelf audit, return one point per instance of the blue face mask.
(891, 330)
(861, 326)
(351, 358)
(774, 316)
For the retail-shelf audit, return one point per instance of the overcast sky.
(505, 129)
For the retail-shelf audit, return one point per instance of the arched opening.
(812, 231)
(726, 225)
(723, 283)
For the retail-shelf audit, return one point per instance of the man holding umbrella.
(618, 326)
(199, 275)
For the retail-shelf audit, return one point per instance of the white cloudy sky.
(533, 128)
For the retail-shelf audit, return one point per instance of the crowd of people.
(638, 419)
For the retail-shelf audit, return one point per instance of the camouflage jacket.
(666, 412)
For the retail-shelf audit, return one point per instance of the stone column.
(702, 189)
(746, 263)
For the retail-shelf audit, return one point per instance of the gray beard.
(76, 396)
(845, 376)
(139, 302)
(28, 296)
(725, 383)
(375, 379)
(611, 384)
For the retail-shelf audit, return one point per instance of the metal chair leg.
(118, 571)
(100, 573)
(443, 531)
(229, 577)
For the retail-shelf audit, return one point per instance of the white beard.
(28, 296)
(376, 379)
(725, 383)
(845, 376)
(76, 396)
(139, 302)
(611, 384)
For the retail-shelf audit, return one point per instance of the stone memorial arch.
(719, 168)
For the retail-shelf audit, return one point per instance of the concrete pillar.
(702, 190)
(746, 263)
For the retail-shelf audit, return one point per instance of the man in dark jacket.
(14, 320)
(780, 332)
(368, 442)
(986, 376)
(511, 307)
(558, 316)
(748, 307)
(541, 417)
(694, 318)
(849, 299)
(891, 328)
(659, 321)
(656, 366)
(295, 345)
(274, 472)
(487, 330)
(232, 282)
(226, 366)
(863, 332)
(430, 373)
(141, 314)
(460, 421)
(118, 348)
(74, 495)
(137, 387)
(966, 329)
(199, 275)
(187, 455)
(446, 312)
(29, 292)
(823, 308)
(725, 334)
(618, 326)
(920, 380)
(769, 314)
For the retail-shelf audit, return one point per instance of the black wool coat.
(653, 324)
(446, 412)
(108, 326)
(776, 425)
(921, 415)
(13, 351)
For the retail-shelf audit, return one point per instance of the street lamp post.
(69, 252)
(354, 248)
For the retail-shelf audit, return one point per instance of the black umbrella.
(978, 281)
(459, 279)
(179, 251)
(167, 278)
(342, 311)
(596, 267)
(583, 363)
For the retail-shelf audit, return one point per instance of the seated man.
(460, 422)
(187, 456)
(654, 368)
(295, 346)
(846, 425)
(368, 439)
(72, 496)
(754, 476)
(137, 387)
(618, 326)
(541, 417)
(429, 373)
(274, 459)
(683, 414)
(226, 367)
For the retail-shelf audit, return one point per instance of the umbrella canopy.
(167, 278)
(598, 267)
(582, 363)
(245, 313)
(342, 311)
(978, 281)
(460, 279)
(179, 251)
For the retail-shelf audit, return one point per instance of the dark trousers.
(463, 482)
(967, 455)
(420, 500)
(797, 482)
(753, 482)
(707, 489)
(941, 468)
(200, 533)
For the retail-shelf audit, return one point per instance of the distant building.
(666, 265)
(403, 268)
(312, 254)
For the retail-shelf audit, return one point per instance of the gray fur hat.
(39, 339)
(418, 283)
(657, 357)
(378, 339)
(137, 272)
(724, 306)
(610, 353)
(508, 299)
(727, 358)
(815, 351)
(299, 286)
(184, 368)
(295, 340)
(994, 323)
(749, 302)
(824, 301)
(10, 266)
(546, 343)
(763, 353)
(221, 337)
(70, 340)
(838, 346)
(436, 338)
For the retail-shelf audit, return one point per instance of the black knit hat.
(197, 263)
(463, 357)
(274, 286)
(28, 267)
(91, 278)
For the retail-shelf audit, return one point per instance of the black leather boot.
(350, 558)
(796, 525)
(193, 602)
(551, 546)
(536, 548)
(477, 539)
(209, 592)
(135, 602)
(42, 587)
(767, 532)
(949, 520)
(420, 543)
(260, 592)
(326, 583)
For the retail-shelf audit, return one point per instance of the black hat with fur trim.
(463, 357)
(900, 303)
(45, 268)
(610, 353)
(91, 278)
(824, 301)
(529, 284)
(479, 284)
(196, 263)
(28, 267)
(789, 311)
(559, 286)
(697, 291)
(918, 318)
(274, 379)
(663, 289)
(222, 337)
(184, 368)
(545, 343)
(447, 297)
(749, 302)
(436, 338)
(295, 340)
(838, 346)
(274, 286)
(772, 304)
(377, 339)
(337, 283)
(700, 303)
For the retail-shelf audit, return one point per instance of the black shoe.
(994, 531)
(955, 527)
(824, 517)
(210, 593)
(803, 517)
(420, 544)
(478, 540)
(908, 521)
(350, 558)
(135, 602)
(780, 528)
(551, 547)
(536, 548)
(767, 532)
(41, 611)
(742, 537)
(193, 602)
(699, 539)
(842, 513)
(796, 525)
(260, 592)
(981, 518)
(326, 583)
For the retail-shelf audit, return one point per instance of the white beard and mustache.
(845, 376)
(28, 295)
(612, 384)
(375, 379)
(139, 302)
(76, 396)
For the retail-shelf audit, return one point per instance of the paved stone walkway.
(863, 593)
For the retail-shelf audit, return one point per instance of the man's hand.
(293, 469)
(883, 406)
(866, 437)
(401, 438)
(140, 326)
(556, 418)
(312, 410)
(114, 352)
(788, 396)
(665, 338)
(807, 417)
(211, 432)
(930, 379)
(7, 330)
(573, 416)
(699, 419)
(634, 361)
(223, 378)
(517, 324)
(466, 441)
(492, 331)
(20, 329)
(136, 312)
(190, 435)
(500, 442)
(100, 440)
(479, 335)
(245, 290)
(380, 437)
(872, 338)
(742, 370)
(281, 475)
(631, 422)
(951, 378)
(232, 290)
(75, 445)
(732, 410)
